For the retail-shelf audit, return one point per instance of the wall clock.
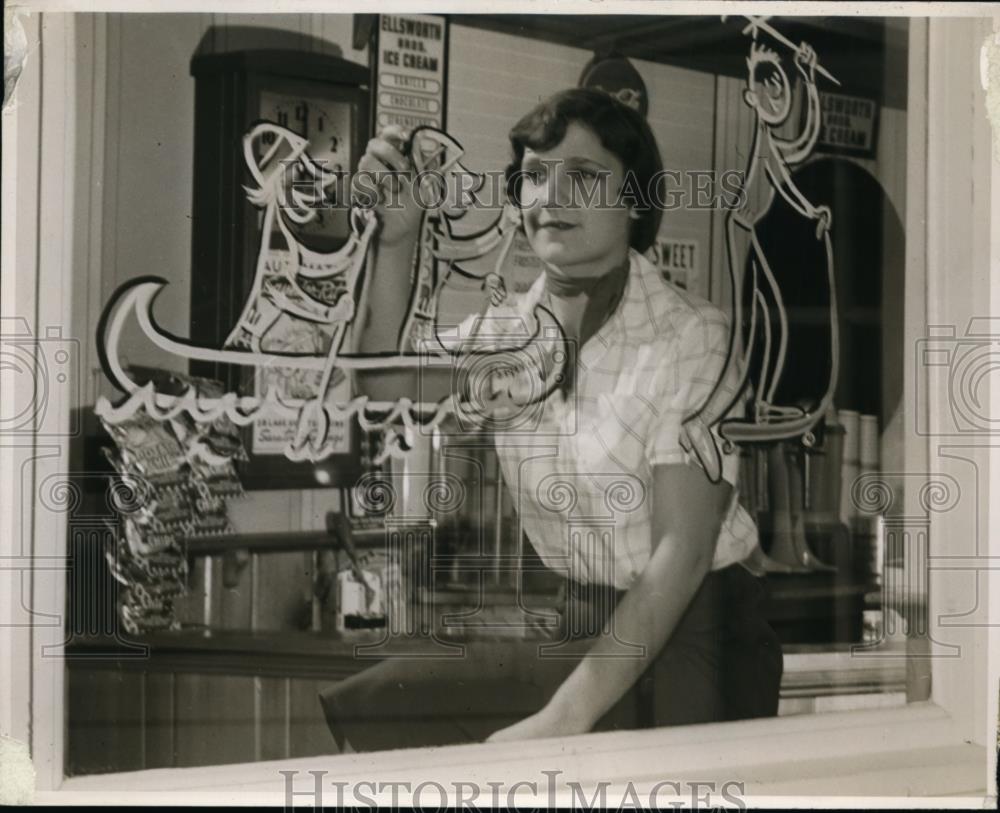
(324, 99)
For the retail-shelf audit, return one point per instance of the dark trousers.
(722, 662)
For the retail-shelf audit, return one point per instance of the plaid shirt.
(580, 469)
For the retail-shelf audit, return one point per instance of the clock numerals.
(325, 125)
(302, 117)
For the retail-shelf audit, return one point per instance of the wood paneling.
(127, 716)
(272, 740)
(190, 607)
(231, 606)
(284, 591)
(214, 719)
(131, 720)
(682, 118)
(133, 714)
(310, 735)
(158, 729)
(105, 721)
(494, 79)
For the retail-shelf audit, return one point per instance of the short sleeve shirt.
(580, 468)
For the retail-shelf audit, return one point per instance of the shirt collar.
(637, 306)
(633, 317)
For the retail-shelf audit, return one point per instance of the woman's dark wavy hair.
(620, 129)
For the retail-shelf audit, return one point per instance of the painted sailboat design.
(316, 295)
(312, 298)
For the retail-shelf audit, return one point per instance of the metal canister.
(825, 473)
(850, 467)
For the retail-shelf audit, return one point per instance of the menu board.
(411, 70)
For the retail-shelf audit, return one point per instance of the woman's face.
(569, 197)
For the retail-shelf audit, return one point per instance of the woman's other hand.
(384, 183)
(497, 289)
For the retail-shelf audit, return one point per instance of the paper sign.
(677, 260)
(848, 123)
(410, 70)
(289, 334)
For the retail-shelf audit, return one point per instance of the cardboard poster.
(679, 262)
(410, 70)
(848, 124)
(272, 434)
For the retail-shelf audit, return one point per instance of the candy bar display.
(160, 503)
(178, 476)
(211, 516)
(150, 579)
(212, 448)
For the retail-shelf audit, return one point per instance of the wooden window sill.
(910, 751)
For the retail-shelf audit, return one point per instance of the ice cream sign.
(410, 70)
(849, 124)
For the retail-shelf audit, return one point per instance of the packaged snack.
(182, 473)
(211, 447)
(221, 479)
(165, 507)
(222, 437)
(138, 620)
(210, 517)
(149, 447)
(146, 539)
(150, 584)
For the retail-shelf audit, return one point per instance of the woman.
(662, 622)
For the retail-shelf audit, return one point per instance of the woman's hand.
(498, 290)
(686, 514)
(545, 723)
(384, 182)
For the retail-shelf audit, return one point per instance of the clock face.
(326, 124)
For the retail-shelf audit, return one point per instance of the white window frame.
(937, 747)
